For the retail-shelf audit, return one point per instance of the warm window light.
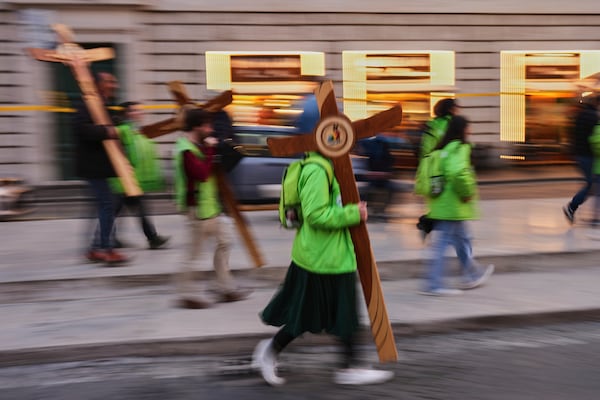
(386, 75)
(538, 74)
(219, 68)
(518, 158)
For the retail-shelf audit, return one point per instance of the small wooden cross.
(176, 123)
(334, 137)
(74, 56)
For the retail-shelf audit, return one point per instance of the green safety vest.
(207, 191)
(141, 153)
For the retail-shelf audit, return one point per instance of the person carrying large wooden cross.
(99, 155)
(319, 291)
(197, 197)
(215, 108)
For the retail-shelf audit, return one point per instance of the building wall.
(166, 40)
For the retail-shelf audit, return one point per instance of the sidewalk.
(57, 307)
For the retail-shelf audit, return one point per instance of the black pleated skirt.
(309, 302)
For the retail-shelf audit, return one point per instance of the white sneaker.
(265, 360)
(489, 270)
(441, 292)
(361, 376)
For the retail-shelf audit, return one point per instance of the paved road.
(555, 362)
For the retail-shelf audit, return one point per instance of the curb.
(232, 346)
(388, 271)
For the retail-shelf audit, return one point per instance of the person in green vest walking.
(141, 153)
(318, 293)
(197, 197)
(434, 131)
(457, 204)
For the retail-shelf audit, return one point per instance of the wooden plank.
(258, 207)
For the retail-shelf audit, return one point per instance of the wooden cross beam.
(177, 123)
(334, 137)
(78, 59)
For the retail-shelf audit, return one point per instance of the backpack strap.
(325, 164)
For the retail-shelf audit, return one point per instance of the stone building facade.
(158, 41)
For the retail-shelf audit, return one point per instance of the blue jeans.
(453, 233)
(597, 197)
(136, 204)
(585, 164)
(103, 198)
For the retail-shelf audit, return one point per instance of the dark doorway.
(66, 90)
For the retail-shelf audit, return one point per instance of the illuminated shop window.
(270, 88)
(377, 80)
(540, 91)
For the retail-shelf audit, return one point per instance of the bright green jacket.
(460, 184)
(141, 153)
(434, 131)
(207, 191)
(323, 244)
(595, 146)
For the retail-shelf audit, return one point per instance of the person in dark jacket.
(93, 164)
(585, 121)
(143, 157)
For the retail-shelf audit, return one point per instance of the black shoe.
(193, 304)
(158, 241)
(569, 213)
(235, 295)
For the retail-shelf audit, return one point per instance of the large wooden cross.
(74, 56)
(334, 137)
(177, 123)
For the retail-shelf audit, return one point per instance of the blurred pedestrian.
(143, 157)
(595, 146)
(434, 131)
(197, 197)
(319, 291)
(585, 121)
(379, 175)
(94, 165)
(457, 204)
(436, 127)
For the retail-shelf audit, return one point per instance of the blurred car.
(257, 177)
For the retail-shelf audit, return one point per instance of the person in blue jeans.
(457, 204)
(93, 164)
(584, 125)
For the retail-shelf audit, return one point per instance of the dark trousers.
(103, 199)
(585, 164)
(138, 206)
(282, 338)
